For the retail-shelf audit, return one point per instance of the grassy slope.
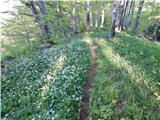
(127, 82)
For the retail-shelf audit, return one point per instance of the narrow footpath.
(83, 112)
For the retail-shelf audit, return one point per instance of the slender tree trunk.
(73, 18)
(36, 15)
(113, 19)
(87, 5)
(90, 15)
(128, 20)
(43, 10)
(43, 26)
(121, 11)
(124, 15)
(157, 31)
(103, 13)
(127, 9)
(118, 16)
(132, 13)
(42, 7)
(96, 15)
(35, 11)
(138, 16)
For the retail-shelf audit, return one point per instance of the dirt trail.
(83, 112)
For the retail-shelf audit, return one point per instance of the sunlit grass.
(135, 72)
(49, 78)
(122, 88)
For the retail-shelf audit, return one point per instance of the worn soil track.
(83, 112)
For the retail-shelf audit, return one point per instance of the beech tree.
(138, 16)
(77, 16)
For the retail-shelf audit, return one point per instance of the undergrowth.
(126, 86)
(47, 85)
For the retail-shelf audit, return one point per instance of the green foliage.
(12, 51)
(47, 85)
(23, 28)
(18, 50)
(59, 22)
(150, 29)
(19, 35)
(127, 81)
(150, 10)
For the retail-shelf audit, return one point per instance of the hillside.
(126, 84)
(80, 60)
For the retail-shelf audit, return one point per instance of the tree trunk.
(43, 10)
(121, 11)
(87, 6)
(157, 31)
(102, 17)
(138, 16)
(128, 20)
(124, 15)
(43, 26)
(36, 15)
(35, 11)
(42, 7)
(113, 19)
(73, 18)
(96, 15)
(90, 15)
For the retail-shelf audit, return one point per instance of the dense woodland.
(81, 60)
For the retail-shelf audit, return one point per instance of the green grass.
(18, 49)
(127, 81)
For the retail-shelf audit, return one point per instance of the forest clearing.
(80, 60)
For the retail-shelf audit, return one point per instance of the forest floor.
(126, 85)
(83, 113)
(119, 82)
